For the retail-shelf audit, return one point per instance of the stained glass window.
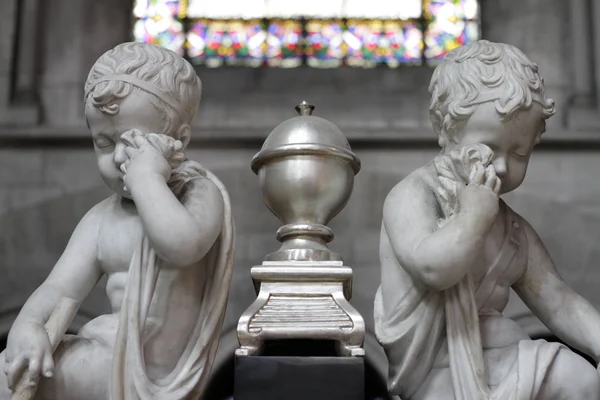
(332, 33)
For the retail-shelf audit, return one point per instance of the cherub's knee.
(4, 392)
(81, 370)
(574, 377)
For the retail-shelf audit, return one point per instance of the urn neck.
(304, 242)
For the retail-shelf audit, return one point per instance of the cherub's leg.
(81, 371)
(570, 377)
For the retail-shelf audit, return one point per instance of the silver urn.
(306, 171)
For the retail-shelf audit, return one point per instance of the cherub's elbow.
(175, 259)
(432, 277)
(434, 280)
(184, 255)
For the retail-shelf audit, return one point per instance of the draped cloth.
(130, 380)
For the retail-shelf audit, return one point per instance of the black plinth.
(299, 378)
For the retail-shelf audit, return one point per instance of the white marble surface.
(163, 241)
(451, 250)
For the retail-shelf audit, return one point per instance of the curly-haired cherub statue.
(164, 240)
(451, 250)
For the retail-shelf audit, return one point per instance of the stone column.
(7, 36)
(28, 48)
(77, 33)
(585, 64)
(581, 46)
(537, 28)
(595, 17)
(18, 30)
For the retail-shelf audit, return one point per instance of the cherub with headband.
(164, 240)
(451, 250)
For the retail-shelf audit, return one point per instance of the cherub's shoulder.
(414, 188)
(202, 186)
(102, 208)
(519, 221)
(202, 194)
(523, 229)
(91, 222)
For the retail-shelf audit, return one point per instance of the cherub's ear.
(184, 134)
(437, 120)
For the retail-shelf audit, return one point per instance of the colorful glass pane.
(227, 9)
(215, 43)
(452, 10)
(284, 44)
(401, 43)
(443, 35)
(208, 43)
(325, 46)
(450, 25)
(166, 32)
(381, 9)
(379, 32)
(383, 42)
(163, 8)
(248, 41)
(196, 41)
(362, 39)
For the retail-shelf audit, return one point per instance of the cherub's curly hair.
(482, 66)
(153, 64)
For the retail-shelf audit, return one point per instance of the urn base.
(302, 300)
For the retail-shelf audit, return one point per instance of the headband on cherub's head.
(493, 95)
(145, 86)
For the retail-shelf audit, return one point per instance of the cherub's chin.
(118, 189)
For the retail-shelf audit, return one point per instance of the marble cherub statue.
(451, 250)
(164, 240)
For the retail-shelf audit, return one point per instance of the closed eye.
(103, 142)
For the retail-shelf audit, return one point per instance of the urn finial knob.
(305, 108)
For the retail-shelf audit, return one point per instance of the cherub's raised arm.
(74, 275)
(568, 315)
(181, 231)
(438, 258)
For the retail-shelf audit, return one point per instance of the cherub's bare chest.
(500, 256)
(118, 237)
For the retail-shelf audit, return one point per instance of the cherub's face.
(511, 141)
(136, 111)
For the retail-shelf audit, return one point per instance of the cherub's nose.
(500, 166)
(119, 155)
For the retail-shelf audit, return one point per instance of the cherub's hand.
(28, 348)
(479, 197)
(150, 154)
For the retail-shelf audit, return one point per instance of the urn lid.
(306, 134)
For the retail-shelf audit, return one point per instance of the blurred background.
(365, 65)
